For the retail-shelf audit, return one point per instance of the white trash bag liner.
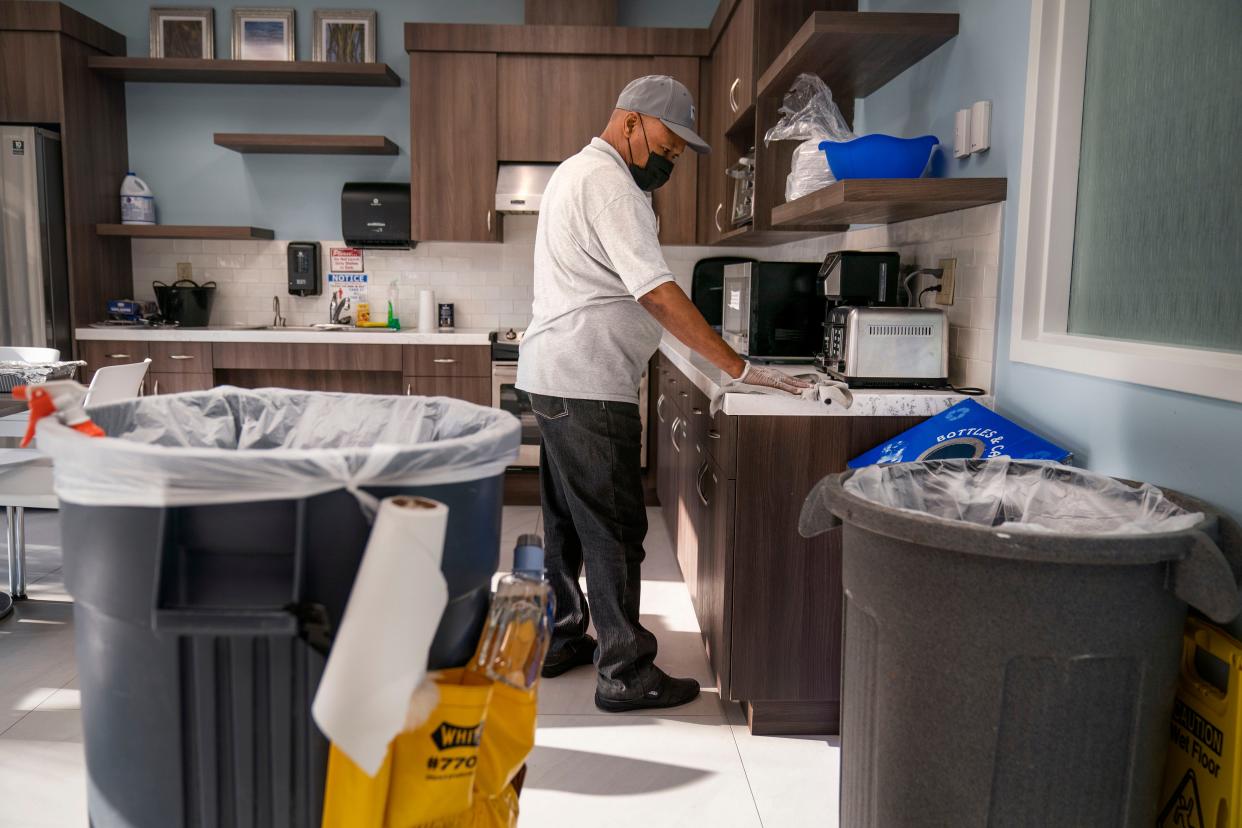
(234, 445)
(1022, 495)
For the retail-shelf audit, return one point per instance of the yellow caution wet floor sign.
(1203, 774)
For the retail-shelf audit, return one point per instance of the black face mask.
(657, 170)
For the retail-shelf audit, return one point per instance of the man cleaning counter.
(602, 293)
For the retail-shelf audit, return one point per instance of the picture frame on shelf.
(264, 33)
(344, 36)
(183, 32)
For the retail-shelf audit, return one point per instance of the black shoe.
(574, 654)
(670, 692)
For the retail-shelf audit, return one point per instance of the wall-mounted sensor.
(961, 134)
(980, 126)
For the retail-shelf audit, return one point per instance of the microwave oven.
(773, 311)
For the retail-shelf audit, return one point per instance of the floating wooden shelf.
(886, 200)
(272, 143)
(748, 236)
(857, 52)
(184, 231)
(193, 70)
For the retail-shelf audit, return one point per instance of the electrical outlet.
(945, 296)
(185, 270)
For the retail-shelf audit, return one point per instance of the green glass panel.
(1158, 229)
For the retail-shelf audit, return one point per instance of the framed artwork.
(183, 32)
(263, 34)
(344, 36)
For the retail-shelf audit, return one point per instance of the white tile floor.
(693, 766)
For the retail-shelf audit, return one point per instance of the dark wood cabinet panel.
(342, 380)
(690, 517)
(308, 357)
(177, 383)
(676, 203)
(477, 390)
(101, 352)
(180, 357)
(536, 126)
(447, 360)
(735, 58)
(787, 588)
(714, 598)
(29, 77)
(668, 460)
(453, 156)
(568, 40)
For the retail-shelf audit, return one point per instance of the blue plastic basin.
(879, 156)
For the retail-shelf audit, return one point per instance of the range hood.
(519, 187)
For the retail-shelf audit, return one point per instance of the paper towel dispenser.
(376, 214)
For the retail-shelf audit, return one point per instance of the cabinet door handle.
(698, 412)
(698, 485)
(713, 434)
(408, 388)
(659, 405)
(732, 89)
(156, 392)
(444, 361)
(673, 436)
(719, 207)
(181, 356)
(685, 394)
(489, 221)
(118, 356)
(657, 225)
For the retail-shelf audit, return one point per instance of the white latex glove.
(770, 378)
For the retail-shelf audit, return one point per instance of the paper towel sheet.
(379, 655)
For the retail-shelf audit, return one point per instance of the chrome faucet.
(278, 321)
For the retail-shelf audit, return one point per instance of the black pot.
(185, 302)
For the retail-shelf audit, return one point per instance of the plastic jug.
(137, 201)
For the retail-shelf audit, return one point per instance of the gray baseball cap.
(662, 97)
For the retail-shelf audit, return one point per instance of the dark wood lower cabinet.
(349, 382)
(768, 601)
(477, 390)
(168, 382)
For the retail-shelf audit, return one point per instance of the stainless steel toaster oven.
(887, 347)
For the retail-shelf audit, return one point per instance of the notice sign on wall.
(345, 260)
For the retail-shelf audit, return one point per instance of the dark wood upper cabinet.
(552, 105)
(453, 157)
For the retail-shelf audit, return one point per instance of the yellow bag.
(1203, 773)
(507, 740)
(428, 773)
(454, 771)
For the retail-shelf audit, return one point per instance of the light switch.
(980, 126)
(961, 134)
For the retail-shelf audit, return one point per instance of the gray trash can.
(210, 547)
(1012, 635)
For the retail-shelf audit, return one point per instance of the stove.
(505, 395)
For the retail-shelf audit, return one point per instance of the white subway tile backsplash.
(491, 285)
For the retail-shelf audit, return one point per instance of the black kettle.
(185, 302)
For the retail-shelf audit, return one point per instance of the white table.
(27, 485)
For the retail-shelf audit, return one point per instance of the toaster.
(869, 347)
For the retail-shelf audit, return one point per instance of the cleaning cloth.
(826, 391)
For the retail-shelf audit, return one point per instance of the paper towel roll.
(379, 655)
(427, 311)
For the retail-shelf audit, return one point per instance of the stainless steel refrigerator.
(34, 271)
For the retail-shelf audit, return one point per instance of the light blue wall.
(196, 182)
(1185, 442)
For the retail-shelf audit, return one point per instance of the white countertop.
(361, 336)
(870, 402)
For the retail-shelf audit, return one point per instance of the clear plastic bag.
(810, 115)
(233, 445)
(1016, 495)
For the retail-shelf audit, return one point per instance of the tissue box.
(965, 431)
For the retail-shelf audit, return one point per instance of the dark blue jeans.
(590, 479)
